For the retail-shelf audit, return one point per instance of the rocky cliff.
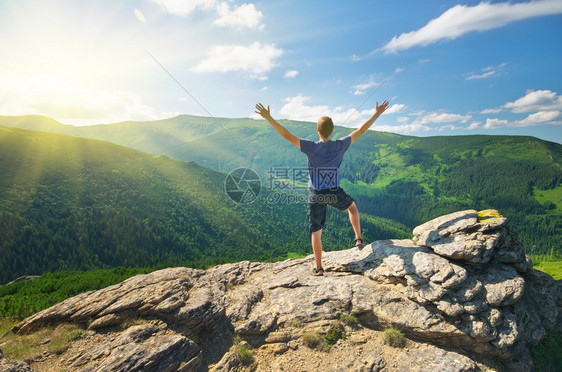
(462, 291)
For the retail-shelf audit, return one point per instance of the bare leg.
(354, 219)
(316, 239)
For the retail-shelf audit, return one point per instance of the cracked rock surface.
(462, 282)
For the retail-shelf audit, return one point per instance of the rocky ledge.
(462, 285)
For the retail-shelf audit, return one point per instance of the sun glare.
(71, 65)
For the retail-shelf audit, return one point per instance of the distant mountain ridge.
(403, 178)
(75, 203)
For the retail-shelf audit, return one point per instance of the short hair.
(325, 126)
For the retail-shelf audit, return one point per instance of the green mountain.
(402, 178)
(74, 203)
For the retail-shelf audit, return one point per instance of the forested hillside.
(72, 203)
(402, 178)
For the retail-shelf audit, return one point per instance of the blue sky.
(456, 68)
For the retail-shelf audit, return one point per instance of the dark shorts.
(317, 202)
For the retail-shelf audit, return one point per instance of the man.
(324, 158)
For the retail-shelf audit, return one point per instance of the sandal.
(359, 243)
(319, 271)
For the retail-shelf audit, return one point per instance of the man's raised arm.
(366, 125)
(264, 112)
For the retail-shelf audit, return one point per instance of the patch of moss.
(487, 214)
(334, 334)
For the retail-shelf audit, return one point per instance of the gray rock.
(443, 226)
(279, 336)
(483, 297)
(140, 292)
(105, 321)
(12, 365)
(242, 302)
(372, 362)
(467, 235)
(227, 363)
(431, 360)
(141, 348)
(503, 285)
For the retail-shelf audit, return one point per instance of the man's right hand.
(382, 108)
(378, 111)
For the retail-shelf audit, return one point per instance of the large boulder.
(463, 282)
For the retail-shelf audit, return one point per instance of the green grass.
(21, 299)
(548, 355)
(349, 319)
(552, 268)
(51, 339)
(393, 337)
(313, 340)
(551, 199)
(6, 325)
(334, 334)
(242, 350)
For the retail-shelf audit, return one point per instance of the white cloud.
(543, 106)
(244, 16)
(403, 119)
(297, 109)
(441, 117)
(291, 73)
(403, 128)
(184, 7)
(425, 121)
(486, 72)
(256, 58)
(541, 117)
(496, 123)
(480, 76)
(538, 118)
(491, 111)
(140, 16)
(396, 108)
(474, 125)
(538, 100)
(54, 96)
(260, 77)
(360, 89)
(450, 127)
(462, 19)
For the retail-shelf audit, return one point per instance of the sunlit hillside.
(403, 178)
(72, 203)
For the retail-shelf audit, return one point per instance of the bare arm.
(278, 127)
(366, 125)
